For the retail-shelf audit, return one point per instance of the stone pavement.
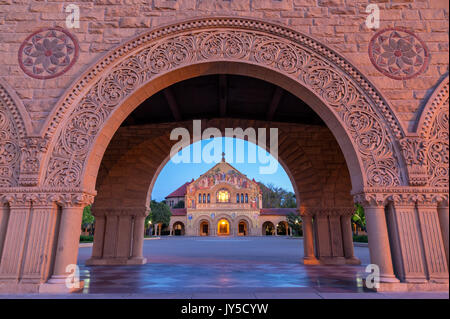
(227, 268)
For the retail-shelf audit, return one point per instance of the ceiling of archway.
(215, 96)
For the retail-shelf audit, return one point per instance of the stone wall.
(340, 24)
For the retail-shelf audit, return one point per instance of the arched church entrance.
(373, 161)
(223, 227)
(204, 228)
(243, 228)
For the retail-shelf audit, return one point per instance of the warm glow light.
(223, 196)
(223, 223)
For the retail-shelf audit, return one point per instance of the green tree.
(159, 214)
(88, 219)
(276, 197)
(359, 217)
(295, 223)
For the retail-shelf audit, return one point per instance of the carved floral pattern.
(438, 148)
(398, 53)
(415, 154)
(48, 53)
(9, 147)
(365, 126)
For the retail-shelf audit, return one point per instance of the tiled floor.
(228, 268)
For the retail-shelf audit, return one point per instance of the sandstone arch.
(359, 117)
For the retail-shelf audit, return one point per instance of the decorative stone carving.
(32, 149)
(398, 53)
(415, 154)
(48, 53)
(9, 141)
(368, 121)
(45, 197)
(438, 148)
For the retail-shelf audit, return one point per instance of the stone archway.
(377, 149)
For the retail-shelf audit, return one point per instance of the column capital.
(71, 200)
(371, 199)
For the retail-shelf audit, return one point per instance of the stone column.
(444, 223)
(67, 251)
(14, 244)
(99, 234)
(380, 251)
(4, 217)
(309, 257)
(347, 240)
(406, 243)
(434, 250)
(138, 240)
(41, 242)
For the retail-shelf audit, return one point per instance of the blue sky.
(173, 175)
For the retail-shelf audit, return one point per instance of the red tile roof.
(278, 211)
(178, 211)
(179, 192)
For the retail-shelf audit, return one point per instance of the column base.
(352, 261)
(410, 287)
(59, 288)
(388, 279)
(311, 261)
(332, 260)
(115, 261)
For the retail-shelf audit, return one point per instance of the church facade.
(224, 202)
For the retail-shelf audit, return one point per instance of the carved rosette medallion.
(398, 53)
(48, 53)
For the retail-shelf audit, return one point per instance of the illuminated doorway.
(223, 228)
(204, 228)
(242, 228)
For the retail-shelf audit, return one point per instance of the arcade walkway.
(261, 267)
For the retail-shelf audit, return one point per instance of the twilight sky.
(173, 175)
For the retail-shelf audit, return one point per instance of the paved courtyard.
(251, 267)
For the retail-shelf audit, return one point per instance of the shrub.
(86, 239)
(360, 238)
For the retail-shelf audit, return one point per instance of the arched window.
(246, 198)
(209, 199)
(223, 196)
(199, 198)
(237, 198)
(204, 198)
(242, 198)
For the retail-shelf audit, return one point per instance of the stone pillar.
(406, 242)
(380, 251)
(14, 244)
(4, 217)
(309, 257)
(138, 240)
(67, 251)
(430, 230)
(39, 252)
(99, 234)
(444, 223)
(347, 240)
